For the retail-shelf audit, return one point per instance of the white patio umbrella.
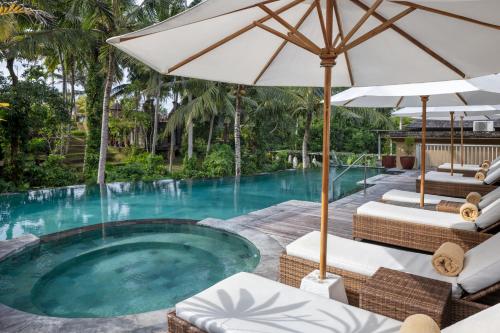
(443, 93)
(323, 43)
(465, 113)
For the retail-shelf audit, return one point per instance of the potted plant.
(408, 160)
(388, 160)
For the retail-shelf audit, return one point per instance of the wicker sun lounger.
(293, 268)
(416, 229)
(458, 186)
(255, 304)
(453, 189)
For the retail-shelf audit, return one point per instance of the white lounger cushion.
(458, 167)
(489, 215)
(489, 198)
(247, 303)
(481, 266)
(492, 176)
(486, 321)
(415, 215)
(444, 177)
(366, 259)
(443, 174)
(414, 198)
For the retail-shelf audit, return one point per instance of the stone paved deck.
(290, 220)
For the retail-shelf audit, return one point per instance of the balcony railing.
(438, 154)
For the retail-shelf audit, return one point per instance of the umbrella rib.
(413, 40)
(374, 32)
(321, 22)
(399, 101)
(341, 38)
(231, 37)
(445, 13)
(291, 38)
(362, 21)
(292, 29)
(283, 44)
(460, 97)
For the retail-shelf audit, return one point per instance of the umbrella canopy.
(478, 91)
(244, 41)
(323, 42)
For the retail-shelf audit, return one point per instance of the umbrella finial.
(328, 58)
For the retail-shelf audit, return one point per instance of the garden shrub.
(190, 167)
(56, 173)
(220, 162)
(138, 166)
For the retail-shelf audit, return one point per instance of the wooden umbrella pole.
(328, 58)
(326, 172)
(452, 140)
(462, 140)
(424, 100)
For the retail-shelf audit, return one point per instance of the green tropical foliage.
(76, 110)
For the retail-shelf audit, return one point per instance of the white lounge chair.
(414, 198)
(422, 229)
(468, 170)
(440, 183)
(247, 303)
(356, 262)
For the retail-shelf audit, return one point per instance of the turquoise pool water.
(51, 210)
(129, 269)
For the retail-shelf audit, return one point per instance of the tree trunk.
(12, 72)
(305, 141)
(225, 135)
(105, 120)
(210, 133)
(157, 111)
(237, 132)
(93, 109)
(64, 79)
(73, 93)
(190, 131)
(172, 151)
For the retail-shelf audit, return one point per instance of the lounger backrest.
(489, 198)
(489, 216)
(486, 321)
(495, 166)
(481, 266)
(492, 177)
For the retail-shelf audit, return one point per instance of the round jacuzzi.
(122, 269)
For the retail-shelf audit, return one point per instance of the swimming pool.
(122, 270)
(51, 210)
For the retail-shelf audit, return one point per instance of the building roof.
(444, 125)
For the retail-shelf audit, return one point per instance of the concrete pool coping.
(13, 320)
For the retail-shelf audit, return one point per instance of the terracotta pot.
(407, 162)
(389, 161)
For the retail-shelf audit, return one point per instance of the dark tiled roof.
(416, 125)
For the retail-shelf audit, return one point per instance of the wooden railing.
(438, 154)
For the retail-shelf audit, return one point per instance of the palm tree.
(240, 90)
(15, 19)
(206, 100)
